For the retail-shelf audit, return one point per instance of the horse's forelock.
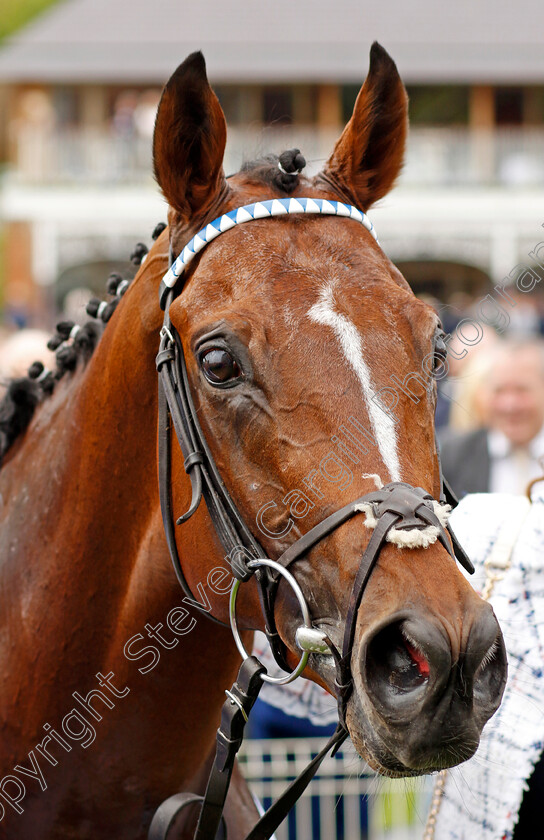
(266, 171)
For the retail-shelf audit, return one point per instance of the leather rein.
(395, 506)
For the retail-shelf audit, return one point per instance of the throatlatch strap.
(234, 715)
(168, 817)
(279, 810)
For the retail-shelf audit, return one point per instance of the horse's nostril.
(403, 665)
(427, 692)
(397, 662)
(401, 660)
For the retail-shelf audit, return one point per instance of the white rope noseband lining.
(261, 210)
(410, 537)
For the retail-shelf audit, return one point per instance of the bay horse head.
(312, 366)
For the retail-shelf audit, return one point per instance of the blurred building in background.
(79, 88)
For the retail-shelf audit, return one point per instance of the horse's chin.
(383, 752)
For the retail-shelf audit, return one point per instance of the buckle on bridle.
(166, 334)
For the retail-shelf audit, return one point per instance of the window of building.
(66, 105)
(533, 105)
(277, 106)
(230, 101)
(348, 95)
(509, 106)
(438, 104)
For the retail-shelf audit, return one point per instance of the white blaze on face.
(383, 425)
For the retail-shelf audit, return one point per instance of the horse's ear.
(369, 155)
(189, 141)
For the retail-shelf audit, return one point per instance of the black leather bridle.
(397, 505)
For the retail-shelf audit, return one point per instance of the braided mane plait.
(16, 410)
(280, 172)
(71, 342)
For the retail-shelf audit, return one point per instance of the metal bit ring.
(256, 564)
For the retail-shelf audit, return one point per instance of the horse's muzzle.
(427, 695)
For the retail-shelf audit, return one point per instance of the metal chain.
(436, 801)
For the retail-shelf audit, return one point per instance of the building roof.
(274, 41)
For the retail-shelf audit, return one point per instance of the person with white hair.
(503, 455)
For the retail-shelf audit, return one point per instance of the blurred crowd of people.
(490, 413)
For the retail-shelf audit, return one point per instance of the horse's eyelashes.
(219, 366)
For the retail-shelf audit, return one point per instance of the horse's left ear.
(369, 155)
(189, 142)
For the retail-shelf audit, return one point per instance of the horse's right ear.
(368, 156)
(189, 142)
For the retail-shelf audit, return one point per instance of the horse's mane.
(72, 342)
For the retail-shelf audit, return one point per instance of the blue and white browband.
(259, 210)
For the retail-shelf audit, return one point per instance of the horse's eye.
(219, 366)
(440, 351)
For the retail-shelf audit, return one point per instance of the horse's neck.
(82, 484)
(85, 565)
(115, 419)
